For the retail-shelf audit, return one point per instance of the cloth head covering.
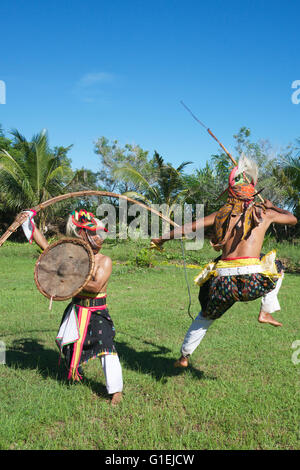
(240, 204)
(86, 220)
(83, 224)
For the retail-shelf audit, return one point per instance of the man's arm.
(39, 239)
(100, 277)
(280, 216)
(186, 229)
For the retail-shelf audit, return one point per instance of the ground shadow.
(153, 362)
(29, 353)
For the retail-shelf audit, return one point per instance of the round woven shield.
(64, 268)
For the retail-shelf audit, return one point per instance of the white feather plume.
(247, 166)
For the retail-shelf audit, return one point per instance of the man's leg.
(270, 304)
(113, 376)
(192, 339)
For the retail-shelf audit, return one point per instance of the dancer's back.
(251, 246)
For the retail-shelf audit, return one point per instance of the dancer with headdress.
(87, 330)
(240, 273)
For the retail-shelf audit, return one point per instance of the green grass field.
(240, 392)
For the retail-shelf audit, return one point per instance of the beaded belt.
(239, 270)
(93, 302)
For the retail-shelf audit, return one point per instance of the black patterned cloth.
(96, 334)
(219, 293)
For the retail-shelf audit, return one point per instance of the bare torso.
(251, 246)
(101, 274)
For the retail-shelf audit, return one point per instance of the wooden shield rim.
(77, 241)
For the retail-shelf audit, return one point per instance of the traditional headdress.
(240, 204)
(82, 219)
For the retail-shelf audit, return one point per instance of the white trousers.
(269, 302)
(200, 325)
(195, 334)
(113, 373)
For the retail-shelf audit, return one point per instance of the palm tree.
(165, 185)
(32, 173)
(206, 187)
(288, 174)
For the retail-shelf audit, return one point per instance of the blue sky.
(119, 69)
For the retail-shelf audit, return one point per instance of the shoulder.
(103, 260)
(266, 218)
(268, 214)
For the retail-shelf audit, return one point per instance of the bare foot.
(116, 398)
(267, 318)
(181, 362)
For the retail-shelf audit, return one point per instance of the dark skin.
(234, 247)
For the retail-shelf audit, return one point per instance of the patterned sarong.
(86, 331)
(224, 291)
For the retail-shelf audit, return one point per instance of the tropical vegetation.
(31, 172)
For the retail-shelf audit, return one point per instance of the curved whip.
(43, 205)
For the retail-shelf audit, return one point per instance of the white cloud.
(93, 87)
(92, 78)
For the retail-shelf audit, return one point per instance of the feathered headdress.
(240, 204)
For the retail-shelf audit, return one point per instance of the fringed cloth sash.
(86, 331)
(240, 205)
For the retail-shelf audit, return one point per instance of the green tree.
(205, 187)
(287, 173)
(164, 185)
(32, 173)
(113, 156)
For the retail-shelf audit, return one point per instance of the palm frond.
(137, 196)
(129, 174)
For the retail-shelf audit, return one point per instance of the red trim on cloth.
(32, 224)
(85, 224)
(73, 372)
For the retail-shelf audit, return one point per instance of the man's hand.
(268, 204)
(22, 217)
(156, 244)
